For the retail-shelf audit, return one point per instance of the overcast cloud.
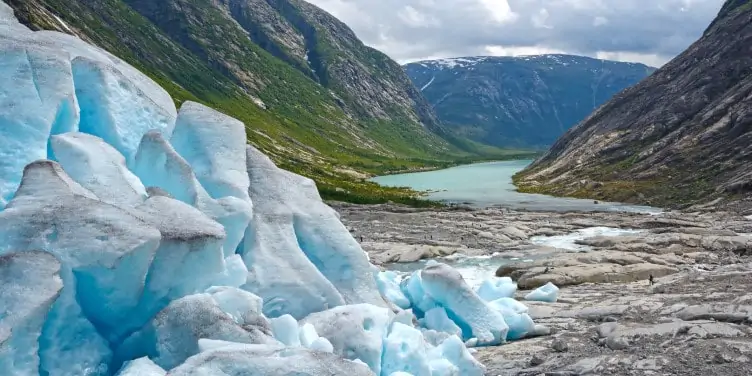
(647, 31)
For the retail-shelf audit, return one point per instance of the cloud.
(649, 31)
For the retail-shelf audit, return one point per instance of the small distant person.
(652, 281)
(361, 238)
(547, 270)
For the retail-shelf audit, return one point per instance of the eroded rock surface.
(690, 323)
(608, 319)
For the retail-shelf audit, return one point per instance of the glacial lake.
(490, 184)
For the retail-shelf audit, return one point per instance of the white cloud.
(500, 10)
(650, 59)
(416, 19)
(600, 21)
(651, 31)
(540, 19)
(520, 51)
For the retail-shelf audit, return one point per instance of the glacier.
(139, 238)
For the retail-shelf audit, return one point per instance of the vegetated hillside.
(683, 136)
(520, 101)
(311, 94)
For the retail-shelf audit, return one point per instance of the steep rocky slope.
(682, 136)
(311, 94)
(513, 101)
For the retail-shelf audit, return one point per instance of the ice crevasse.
(142, 239)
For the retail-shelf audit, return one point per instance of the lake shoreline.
(452, 164)
(489, 184)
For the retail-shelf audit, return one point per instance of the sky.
(645, 31)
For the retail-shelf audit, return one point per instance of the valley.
(243, 187)
(679, 138)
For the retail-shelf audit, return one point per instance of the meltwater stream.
(476, 269)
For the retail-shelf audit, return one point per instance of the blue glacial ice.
(214, 145)
(98, 167)
(104, 262)
(389, 286)
(36, 96)
(285, 330)
(405, 351)
(492, 289)
(241, 305)
(114, 108)
(420, 301)
(520, 325)
(508, 304)
(322, 344)
(30, 284)
(307, 334)
(142, 240)
(41, 94)
(301, 258)
(476, 319)
(437, 319)
(452, 308)
(546, 293)
(157, 164)
(173, 335)
(453, 351)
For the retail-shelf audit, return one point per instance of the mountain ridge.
(677, 139)
(518, 101)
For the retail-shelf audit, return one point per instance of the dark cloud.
(650, 31)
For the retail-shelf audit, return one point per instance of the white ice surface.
(546, 293)
(30, 284)
(355, 331)
(141, 367)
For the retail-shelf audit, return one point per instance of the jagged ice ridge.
(139, 239)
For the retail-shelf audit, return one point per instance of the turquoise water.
(490, 184)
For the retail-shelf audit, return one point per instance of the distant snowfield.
(469, 61)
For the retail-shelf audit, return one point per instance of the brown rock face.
(681, 136)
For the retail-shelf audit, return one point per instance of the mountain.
(682, 136)
(313, 97)
(520, 101)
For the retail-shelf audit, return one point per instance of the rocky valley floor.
(608, 320)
